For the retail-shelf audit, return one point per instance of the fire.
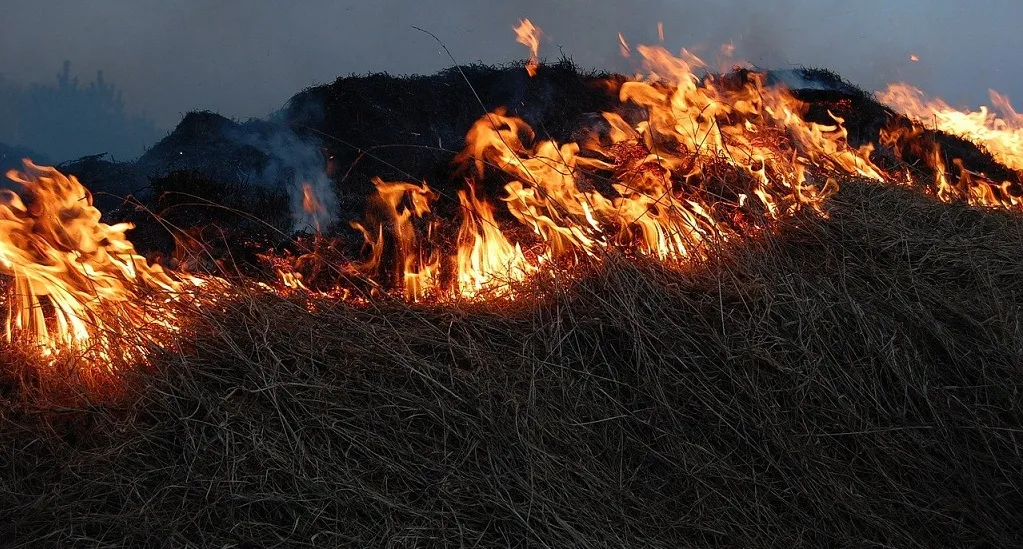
(914, 57)
(311, 205)
(76, 283)
(713, 158)
(487, 262)
(528, 35)
(623, 46)
(692, 160)
(999, 130)
(661, 167)
(402, 206)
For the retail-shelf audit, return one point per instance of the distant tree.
(67, 120)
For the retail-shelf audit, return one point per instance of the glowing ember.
(529, 35)
(77, 284)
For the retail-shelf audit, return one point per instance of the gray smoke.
(296, 162)
(244, 59)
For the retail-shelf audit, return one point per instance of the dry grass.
(854, 382)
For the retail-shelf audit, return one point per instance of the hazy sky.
(246, 58)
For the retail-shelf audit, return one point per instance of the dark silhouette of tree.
(69, 120)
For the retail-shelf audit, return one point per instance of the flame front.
(659, 171)
(687, 163)
(998, 131)
(710, 159)
(77, 283)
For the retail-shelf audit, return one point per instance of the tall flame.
(528, 35)
(73, 277)
(312, 206)
(487, 262)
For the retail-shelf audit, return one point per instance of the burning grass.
(696, 343)
(849, 381)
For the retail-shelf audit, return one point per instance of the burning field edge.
(848, 381)
(690, 308)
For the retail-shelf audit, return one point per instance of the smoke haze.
(245, 59)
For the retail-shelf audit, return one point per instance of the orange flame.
(78, 284)
(529, 35)
(710, 159)
(1000, 131)
(401, 204)
(656, 205)
(486, 262)
(666, 186)
(312, 206)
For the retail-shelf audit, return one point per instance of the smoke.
(298, 163)
(244, 59)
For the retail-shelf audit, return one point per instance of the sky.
(245, 58)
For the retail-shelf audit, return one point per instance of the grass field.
(852, 381)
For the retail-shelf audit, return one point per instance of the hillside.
(849, 382)
(836, 365)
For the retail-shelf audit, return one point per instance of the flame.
(713, 158)
(405, 236)
(77, 284)
(660, 168)
(412, 255)
(914, 57)
(529, 35)
(692, 161)
(999, 130)
(486, 262)
(623, 46)
(312, 205)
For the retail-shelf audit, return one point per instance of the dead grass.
(854, 382)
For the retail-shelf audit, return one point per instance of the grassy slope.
(851, 382)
